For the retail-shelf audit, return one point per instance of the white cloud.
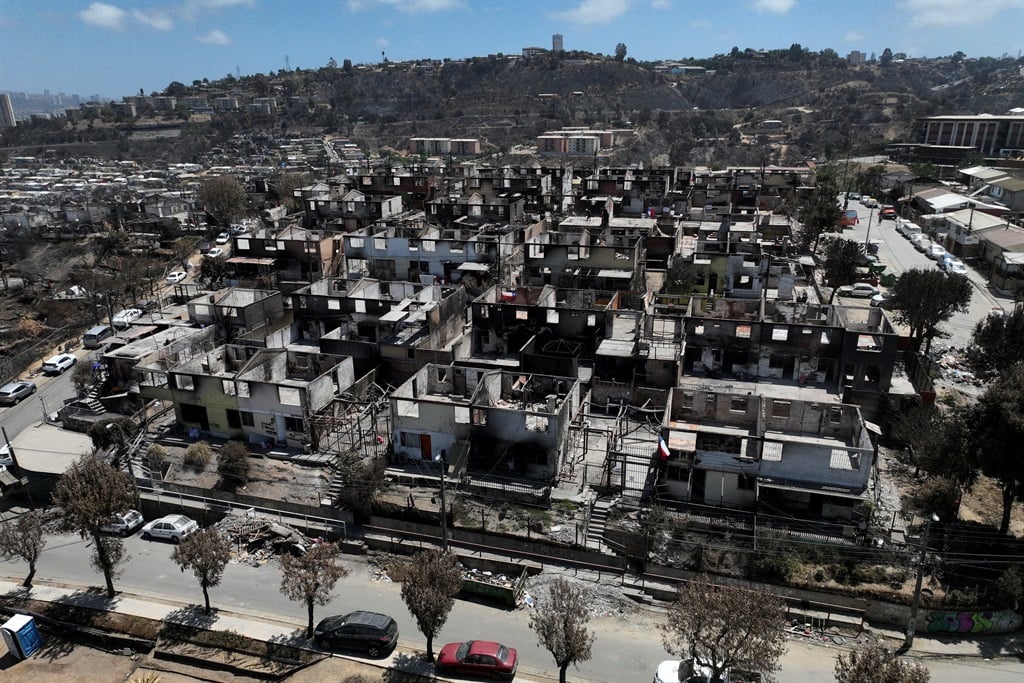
(853, 37)
(190, 9)
(154, 19)
(926, 13)
(591, 12)
(382, 42)
(661, 4)
(406, 6)
(700, 24)
(772, 6)
(104, 16)
(214, 37)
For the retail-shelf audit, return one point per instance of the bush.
(233, 465)
(939, 495)
(198, 455)
(112, 433)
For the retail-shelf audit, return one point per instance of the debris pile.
(256, 539)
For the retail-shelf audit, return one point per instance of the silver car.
(14, 392)
(123, 523)
(170, 527)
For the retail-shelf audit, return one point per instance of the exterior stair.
(595, 527)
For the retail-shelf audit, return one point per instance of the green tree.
(886, 58)
(819, 212)
(620, 52)
(922, 299)
(840, 263)
(206, 553)
(223, 197)
(430, 582)
(998, 343)
(233, 465)
(88, 494)
(309, 578)
(725, 628)
(560, 622)
(23, 538)
(874, 663)
(212, 269)
(997, 423)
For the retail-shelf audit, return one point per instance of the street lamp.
(444, 520)
(912, 624)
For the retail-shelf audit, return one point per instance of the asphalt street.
(627, 648)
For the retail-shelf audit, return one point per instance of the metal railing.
(216, 504)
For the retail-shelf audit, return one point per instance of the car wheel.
(146, 536)
(175, 540)
(373, 651)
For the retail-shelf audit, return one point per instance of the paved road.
(628, 645)
(52, 391)
(900, 255)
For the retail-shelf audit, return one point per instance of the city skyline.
(121, 46)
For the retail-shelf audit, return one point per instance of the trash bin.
(21, 635)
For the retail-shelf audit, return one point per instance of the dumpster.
(507, 591)
(21, 635)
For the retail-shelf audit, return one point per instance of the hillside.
(825, 104)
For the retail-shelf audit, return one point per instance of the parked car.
(223, 238)
(215, 252)
(14, 392)
(935, 251)
(205, 247)
(123, 319)
(373, 633)
(5, 456)
(56, 365)
(887, 212)
(956, 268)
(923, 244)
(853, 195)
(849, 218)
(880, 300)
(123, 523)
(170, 527)
(869, 202)
(478, 658)
(176, 276)
(146, 305)
(238, 229)
(860, 290)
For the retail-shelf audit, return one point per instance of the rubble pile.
(952, 363)
(488, 577)
(256, 539)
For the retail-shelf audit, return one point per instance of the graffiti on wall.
(1002, 621)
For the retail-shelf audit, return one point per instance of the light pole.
(867, 238)
(444, 520)
(912, 624)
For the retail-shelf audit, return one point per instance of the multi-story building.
(7, 119)
(990, 135)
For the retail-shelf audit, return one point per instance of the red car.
(478, 658)
(887, 212)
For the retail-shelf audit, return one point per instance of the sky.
(117, 47)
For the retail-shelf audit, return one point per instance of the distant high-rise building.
(6, 112)
(856, 57)
(556, 43)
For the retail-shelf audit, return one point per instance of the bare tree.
(874, 663)
(560, 622)
(22, 538)
(206, 553)
(724, 628)
(89, 493)
(309, 578)
(430, 581)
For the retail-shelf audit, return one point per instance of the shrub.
(233, 465)
(198, 455)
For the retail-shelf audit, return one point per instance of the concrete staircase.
(595, 527)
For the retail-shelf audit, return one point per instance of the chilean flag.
(662, 449)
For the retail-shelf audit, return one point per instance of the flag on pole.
(663, 452)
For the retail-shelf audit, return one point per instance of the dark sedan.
(478, 658)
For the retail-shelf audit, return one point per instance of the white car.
(176, 277)
(123, 319)
(860, 290)
(215, 252)
(123, 523)
(956, 268)
(170, 527)
(935, 251)
(56, 365)
(5, 456)
(223, 238)
(923, 245)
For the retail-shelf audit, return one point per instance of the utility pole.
(912, 624)
(444, 512)
(867, 238)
